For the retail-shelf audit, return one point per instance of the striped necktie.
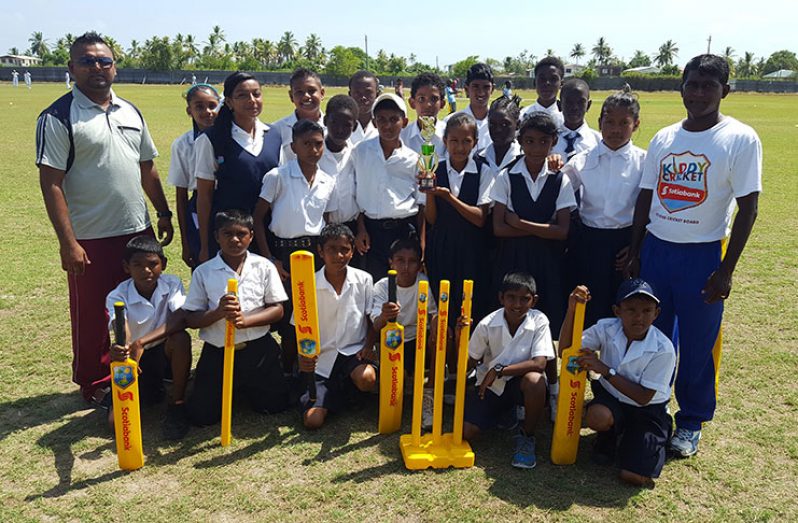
(570, 142)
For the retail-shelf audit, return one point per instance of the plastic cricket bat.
(392, 375)
(227, 372)
(567, 424)
(306, 314)
(125, 394)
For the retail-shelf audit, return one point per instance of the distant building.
(14, 60)
(644, 69)
(781, 73)
(573, 69)
(608, 70)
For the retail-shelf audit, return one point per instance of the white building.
(14, 60)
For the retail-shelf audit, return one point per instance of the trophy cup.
(428, 159)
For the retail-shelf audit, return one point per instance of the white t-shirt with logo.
(696, 177)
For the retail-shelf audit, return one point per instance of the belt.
(295, 243)
(388, 223)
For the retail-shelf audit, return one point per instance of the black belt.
(388, 223)
(295, 243)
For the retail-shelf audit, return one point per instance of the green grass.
(57, 460)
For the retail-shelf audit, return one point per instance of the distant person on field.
(306, 93)
(399, 88)
(95, 158)
(507, 89)
(363, 86)
(15, 78)
(67, 80)
(28, 80)
(451, 97)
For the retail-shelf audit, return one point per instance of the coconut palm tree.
(746, 66)
(190, 45)
(577, 52)
(602, 51)
(214, 43)
(38, 44)
(667, 52)
(114, 46)
(14, 51)
(286, 47)
(728, 54)
(312, 48)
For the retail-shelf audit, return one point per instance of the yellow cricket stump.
(125, 394)
(227, 373)
(567, 424)
(439, 450)
(392, 371)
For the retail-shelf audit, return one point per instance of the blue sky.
(448, 31)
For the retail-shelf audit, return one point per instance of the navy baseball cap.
(633, 287)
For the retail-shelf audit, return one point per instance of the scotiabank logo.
(682, 181)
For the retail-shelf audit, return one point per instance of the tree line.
(164, 53)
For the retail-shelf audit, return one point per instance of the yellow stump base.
(446, 454)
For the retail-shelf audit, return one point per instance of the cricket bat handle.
(120, 335)
(392, 289)
(311, 382)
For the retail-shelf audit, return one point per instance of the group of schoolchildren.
(529, 204)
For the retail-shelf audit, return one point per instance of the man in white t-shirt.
(698, 168)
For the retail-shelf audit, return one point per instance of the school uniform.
(497, 164)
(284, 127)
(386, 191)
(181, 174)
(237, 166)
(345, 209)
(411, 137)
(144, 316)
(483, 135)
(642, 430)
(695, 178)
(455, 247)
(343, 326)
(551, 110)
(572, 142)
(363, 133)
(536, 201)
(491, 344)
(607, 183)
(257, 370)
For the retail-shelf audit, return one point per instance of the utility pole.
(438, 67)
(709, 43)
(367, 51)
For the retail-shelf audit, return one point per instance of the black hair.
(364, 75)
(539, 121)
(624, 99)
(461, 120)
(305, 126)
(479, 71)
(509, 105)
(708, 64)
(550, 61)
(191, 92)
(342, 102)
(574, 84)
(424, 79)
(336, 230)
(88, 38)
(143, 244)
(410, 243)
(303, 73)
(519, 280)
(232, 217)
(224, 119)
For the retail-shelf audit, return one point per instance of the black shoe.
(175, 426)
(604, 448)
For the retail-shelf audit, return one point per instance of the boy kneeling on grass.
(636, 362)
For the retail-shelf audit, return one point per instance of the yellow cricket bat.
(421, 349)
(306, 314)
(462, 362)
(125, 394)
(392, 375)
(565, 438)
(227, 372)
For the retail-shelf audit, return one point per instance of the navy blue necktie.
(570, 141)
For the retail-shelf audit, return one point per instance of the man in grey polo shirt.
(95, 158)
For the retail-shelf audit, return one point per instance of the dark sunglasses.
(90, 61)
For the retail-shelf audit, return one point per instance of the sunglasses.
(90, 61)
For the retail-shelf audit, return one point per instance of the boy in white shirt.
(306, 93)
(479, 86)
(257, 373)
(636, 362)
(575, 135)
(510, 348)
(363, 88)
(155, 324)
(345, 363)
(427, 99)
(549, 73)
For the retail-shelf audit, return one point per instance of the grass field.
(57, 459)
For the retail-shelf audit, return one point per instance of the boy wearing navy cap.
(636, 362)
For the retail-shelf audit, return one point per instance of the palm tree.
(38, 45)
(14, 51)
(667, 52)
(215, 39)
(286, 47)
(745, 66)
(312, 48)
(134, 51)
(190, 45)
(115, 48)
(602, 51)
(728, 54)
(577, 52)
(640, 59)
(549, 52)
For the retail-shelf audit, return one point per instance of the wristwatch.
(610, 373)
(165, 214)
(499, 369)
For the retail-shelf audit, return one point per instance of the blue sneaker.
(524, 457)
(685, 442)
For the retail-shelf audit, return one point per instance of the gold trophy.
(428, 159)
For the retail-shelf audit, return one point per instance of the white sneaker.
(427, 407)
(685, 442)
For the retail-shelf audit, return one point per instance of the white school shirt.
(297, 208)
(407, 297)
(386, 188)
(552, 110)
(285, 128)
(492, 343)
(181, 165)
(343, 320)
(259, 285)
(483, 135)
(411, 137)
(360, 134)
(609, 182)
(586, 139)
(500, 193)
(204, 160)
(649, 362)
(456, 179)
(696, 177)
(339, 165)
(497, 164)
(143, 315)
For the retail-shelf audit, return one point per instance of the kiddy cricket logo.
(682, 181)
(123, 376)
